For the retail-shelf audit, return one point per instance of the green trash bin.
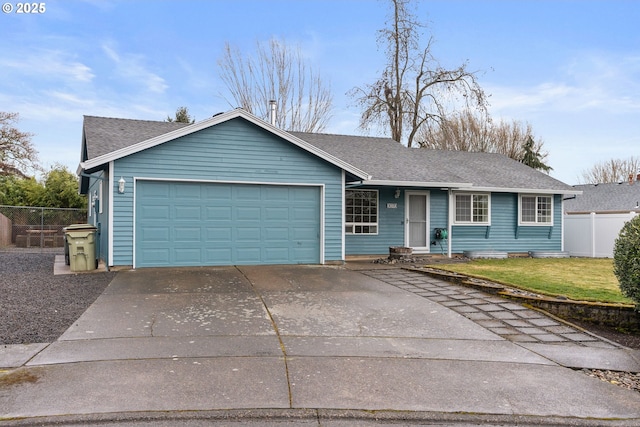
(80, 245)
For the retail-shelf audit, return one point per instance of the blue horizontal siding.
(390, 227)
(235, 150)
(504, 234)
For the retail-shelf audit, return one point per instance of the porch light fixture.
(397, 194)
(121, 184)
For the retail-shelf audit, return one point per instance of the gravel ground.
(37, 307)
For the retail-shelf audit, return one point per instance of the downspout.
(449, 222)
(562, 224)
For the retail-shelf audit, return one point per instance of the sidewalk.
(316, 346)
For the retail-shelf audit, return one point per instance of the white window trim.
(466, 193)
(536, 223)
(354, 224)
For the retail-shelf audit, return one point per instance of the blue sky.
(569, 68)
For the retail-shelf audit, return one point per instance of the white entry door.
(417, 221)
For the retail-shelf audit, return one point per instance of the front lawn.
(585, 279)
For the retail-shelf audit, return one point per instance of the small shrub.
(626, 259)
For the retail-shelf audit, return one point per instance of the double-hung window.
(361, 211)
(472, 208)
(536, 210)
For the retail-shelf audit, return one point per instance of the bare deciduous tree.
(414, 88)
(17, 153)
(277, 72)
(467, 131)
(613, 170)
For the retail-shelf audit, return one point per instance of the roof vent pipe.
(272, 115)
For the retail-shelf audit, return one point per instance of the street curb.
(290, 416)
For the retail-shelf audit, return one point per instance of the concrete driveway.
(307, 340)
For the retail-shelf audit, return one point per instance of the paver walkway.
(510, 320)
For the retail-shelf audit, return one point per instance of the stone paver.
(508, 319)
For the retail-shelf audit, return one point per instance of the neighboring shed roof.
(612, 197)
(385, 161)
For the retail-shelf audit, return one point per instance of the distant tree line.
(58, 187)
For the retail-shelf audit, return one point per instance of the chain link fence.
(36, 228)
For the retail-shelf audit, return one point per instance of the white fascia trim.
(226, 181)
(382, 182)
(110, 217)
(212, 121)
(322, 225)
(520, 190)
(342, 218)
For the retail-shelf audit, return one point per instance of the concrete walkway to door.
(309, 344)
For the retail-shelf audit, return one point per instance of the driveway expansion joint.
(277, 331)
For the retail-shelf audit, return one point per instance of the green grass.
(584, 279)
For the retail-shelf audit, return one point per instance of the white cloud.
(131, 67)
(49, 64)
(589, 82)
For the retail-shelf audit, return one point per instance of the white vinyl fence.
(593, 234)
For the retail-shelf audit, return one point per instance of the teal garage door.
(193, 224)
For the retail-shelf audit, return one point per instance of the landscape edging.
(624, 317)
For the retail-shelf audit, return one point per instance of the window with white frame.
(536, 210)
(472, 208)
(361, 211)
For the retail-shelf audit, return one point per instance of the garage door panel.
(247, 193)
(187, 234)
(159, 234)
(187, 213)
(247, 234)
(247, 213)
(277, 255)
(248, 255)
(187, 192)
(218, 235)
(160, 257)
(188, 256)
(151, 212)
(275, 234)
(225, 224)
(275, 194)
(155, 191)
(217, 192)
(276, 213)
(303, 213)
(218, 256)
(218, 213)
(305, 233)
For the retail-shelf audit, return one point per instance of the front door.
(417, 221)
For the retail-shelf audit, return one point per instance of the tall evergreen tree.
(532, 156)
(182, 116)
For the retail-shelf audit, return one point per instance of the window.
(472, 209)
(536, 210)
(361, 211)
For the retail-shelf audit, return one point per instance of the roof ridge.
(386, 138)
(131, 120)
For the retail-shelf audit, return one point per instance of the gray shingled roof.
(382, 158)
(105, 135)
(619, 197)
(385, 159)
